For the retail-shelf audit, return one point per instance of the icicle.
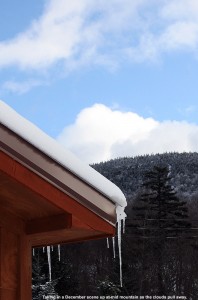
(113, 241)
(107, 243)
(33, 251)
(52, 247)
(43, 249)
(120, 250)
(59, 252)
(120, 217)
(49, 262)
(123, 223)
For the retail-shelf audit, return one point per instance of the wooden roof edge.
(46, 144)
(38, 162)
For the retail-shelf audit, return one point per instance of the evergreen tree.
(161, 212)
(159, 215)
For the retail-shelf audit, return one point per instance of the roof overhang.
(45, 200)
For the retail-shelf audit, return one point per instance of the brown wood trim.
(10, 222)
(52, 223)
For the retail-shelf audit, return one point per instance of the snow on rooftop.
(36, 137)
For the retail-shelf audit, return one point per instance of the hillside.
(128, 172)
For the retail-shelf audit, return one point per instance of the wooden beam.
(51, 223)
(53, 195)
(11, 222)
(78, 231)
(65, 237)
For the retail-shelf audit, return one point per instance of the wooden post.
(15, 266)
(25, 292)
(9, 265)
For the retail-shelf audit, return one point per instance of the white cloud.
(50, 38)
(180, 34)
(100, 133)
(21, 87)
(72, 31)
(81, 32)
(177, 9)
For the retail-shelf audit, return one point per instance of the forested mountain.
(127, 172)
(160, 246)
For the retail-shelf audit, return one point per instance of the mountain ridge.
(128, 172)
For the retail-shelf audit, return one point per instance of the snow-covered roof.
(36, 137)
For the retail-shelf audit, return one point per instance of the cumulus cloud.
(103, 32)
(100, 133)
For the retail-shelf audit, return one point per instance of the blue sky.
(105, 78)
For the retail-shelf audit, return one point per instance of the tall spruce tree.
(161, 212)
(159, 215)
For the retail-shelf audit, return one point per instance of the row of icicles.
(121, 224)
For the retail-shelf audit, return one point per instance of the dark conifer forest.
(160, 244)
